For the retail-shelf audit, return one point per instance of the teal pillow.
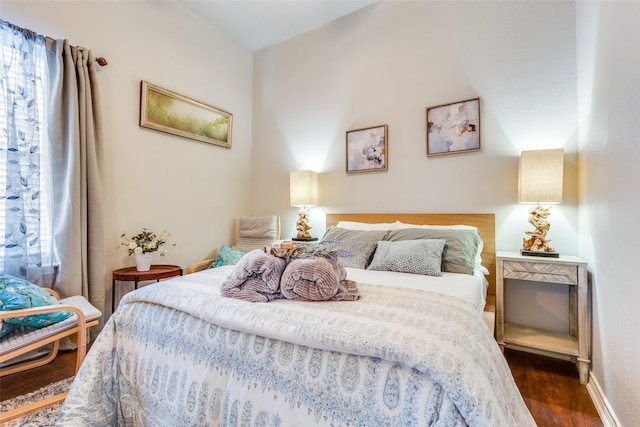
(227, 256)
(16, 293)
(5, 328)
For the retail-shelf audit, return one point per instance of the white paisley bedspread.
(177, 353)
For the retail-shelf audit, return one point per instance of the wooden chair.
(252, 233)
(24, 340)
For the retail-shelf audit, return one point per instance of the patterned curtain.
(23, 155)
(52, 151)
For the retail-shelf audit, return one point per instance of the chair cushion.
(24, 335)
(16, 293)
(256, 232)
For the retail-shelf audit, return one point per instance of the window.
(25, 162)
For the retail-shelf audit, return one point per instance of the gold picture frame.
(453, 128)
(367, 149)
(170, 112)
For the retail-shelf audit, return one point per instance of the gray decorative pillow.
(343, 235)
(352, 253)
(409, 256)
(459, 251)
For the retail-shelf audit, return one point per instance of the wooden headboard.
(486, 224)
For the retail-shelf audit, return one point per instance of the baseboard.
(601, 403)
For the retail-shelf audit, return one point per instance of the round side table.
(130, 274)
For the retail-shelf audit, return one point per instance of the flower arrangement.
(147, 241)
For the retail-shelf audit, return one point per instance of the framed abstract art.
(367, 149)
(453, 128)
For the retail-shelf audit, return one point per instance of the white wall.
(155, 180)
(608, 63)
(386, 64)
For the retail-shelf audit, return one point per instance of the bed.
(179, 353)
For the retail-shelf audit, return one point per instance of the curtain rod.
(30, 33)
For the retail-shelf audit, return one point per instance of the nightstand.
(131, 274)
(566, 271)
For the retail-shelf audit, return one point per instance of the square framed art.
(367, 149)
(453, 128)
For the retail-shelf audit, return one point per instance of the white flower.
(147, 242)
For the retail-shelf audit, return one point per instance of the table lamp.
(303, 187)
(540, 181)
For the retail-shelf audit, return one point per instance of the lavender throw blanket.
(317, 279)
(255, 278)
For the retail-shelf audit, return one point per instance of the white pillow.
(365, 226)
(478, 260)
(401, 225)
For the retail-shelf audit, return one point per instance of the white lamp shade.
(540, 176)
(303, 188)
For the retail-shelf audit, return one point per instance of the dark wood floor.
(550, 388)
(552, 391)
(63, 366)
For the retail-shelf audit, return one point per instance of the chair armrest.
(199, 266)
(52, 292)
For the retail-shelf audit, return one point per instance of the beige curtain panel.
(76, 136)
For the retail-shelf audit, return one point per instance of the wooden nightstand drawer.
(541, 272)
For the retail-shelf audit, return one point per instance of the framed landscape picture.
(367, 149)
(453, 128)
(169, 112)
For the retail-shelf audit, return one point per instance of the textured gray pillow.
(352, 253)
(343, 235)
(459, 251)
(409, 256)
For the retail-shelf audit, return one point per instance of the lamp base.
(539, 253)
(304, 239)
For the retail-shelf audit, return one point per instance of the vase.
(143, 261)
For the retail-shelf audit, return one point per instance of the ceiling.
(259, 23)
